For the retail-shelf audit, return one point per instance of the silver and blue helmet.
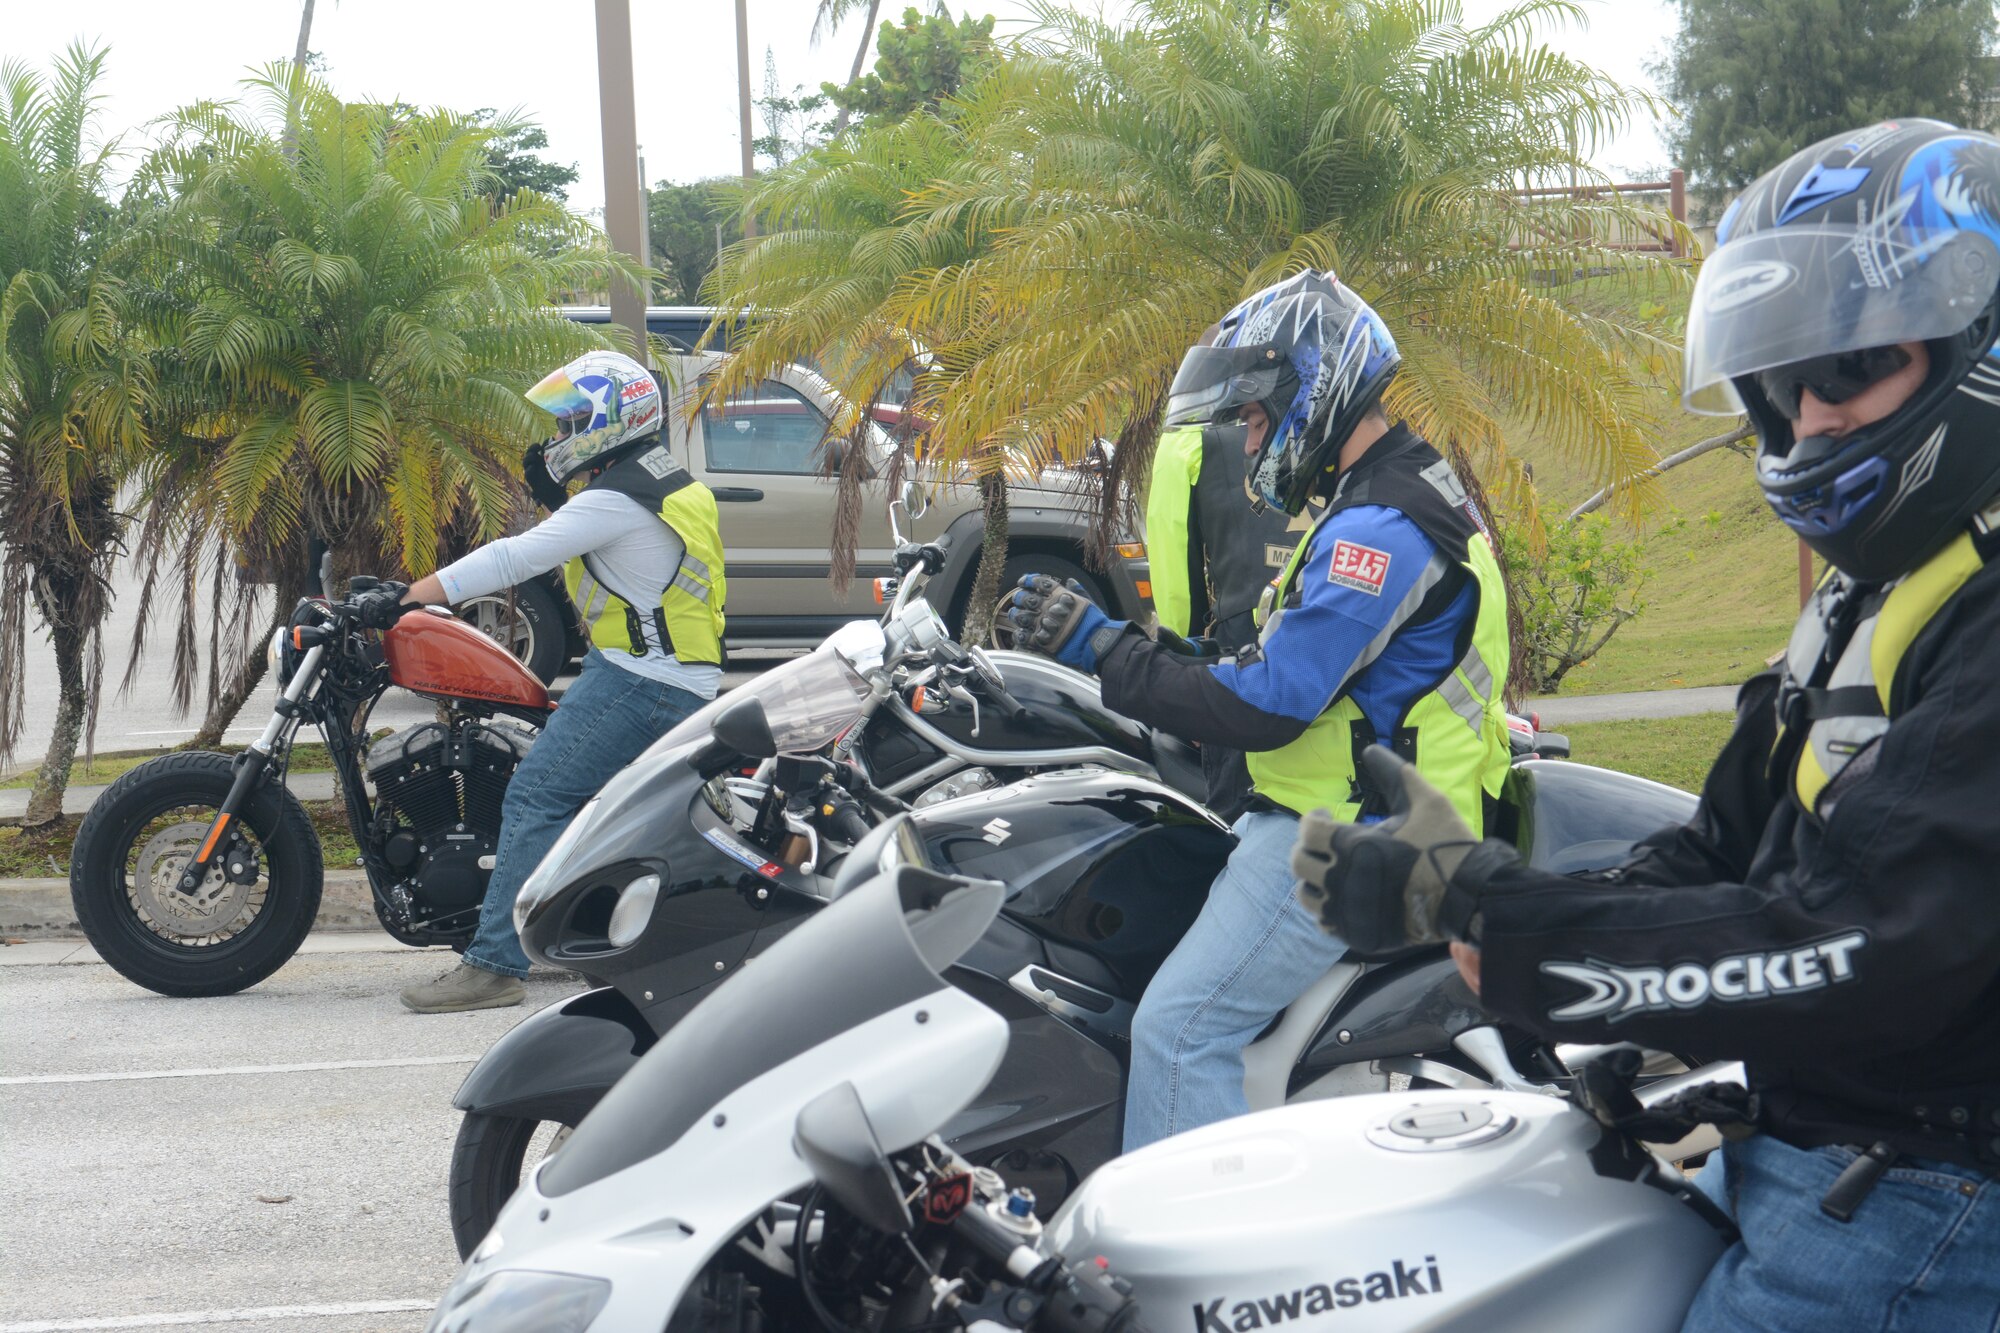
(1828, 269)
(1313, 355)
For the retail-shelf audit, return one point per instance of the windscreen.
(868, 954)
(809, 701)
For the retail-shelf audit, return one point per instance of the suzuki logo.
(998, 831)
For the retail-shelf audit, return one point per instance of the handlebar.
(1088, 1300)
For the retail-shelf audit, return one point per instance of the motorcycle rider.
(641, 534)
(1212, 554)
(1389, 622)
(1830, 916)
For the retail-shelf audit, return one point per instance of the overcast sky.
(540, 59)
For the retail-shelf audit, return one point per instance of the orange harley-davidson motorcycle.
(200, 874)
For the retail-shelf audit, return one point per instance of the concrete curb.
(40, 909)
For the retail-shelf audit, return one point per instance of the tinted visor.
(1796, 294)
(1214, 382)
(1832, 379)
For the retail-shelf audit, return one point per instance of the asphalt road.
(141, 1131)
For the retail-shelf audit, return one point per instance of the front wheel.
(487, 1163)
(231, 931)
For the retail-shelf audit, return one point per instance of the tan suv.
(763, 453)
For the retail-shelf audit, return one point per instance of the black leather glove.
(382, 605)
(549, 493)
(1411, 879)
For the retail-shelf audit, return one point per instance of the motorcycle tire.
(112, 909)
(487, 1163)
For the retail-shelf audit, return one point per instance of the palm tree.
(1165, 170)
(1119, 188)
(353, 318)
(74, 389)
(840, 240)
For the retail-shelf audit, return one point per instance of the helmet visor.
(1214, 381)
(1797, 293)
(558, 395)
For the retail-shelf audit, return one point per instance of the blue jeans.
(1252, 951)
(605, 721)
(1922, 1253)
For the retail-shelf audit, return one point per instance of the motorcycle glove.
(1059, 620)
(382, 605)
(549, 493)
(1411, 879)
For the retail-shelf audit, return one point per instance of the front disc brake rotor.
(211, 910)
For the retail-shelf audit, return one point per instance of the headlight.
(521, 1302)
(547, 877)
(634, 910)
(274, 656)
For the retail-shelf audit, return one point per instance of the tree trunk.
(1687, 455)
(248, 676)
(52, 780)
(305, 35)
(985, 594)
(860, 59)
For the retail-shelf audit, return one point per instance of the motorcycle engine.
(438, 791)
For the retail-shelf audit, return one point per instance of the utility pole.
(743, 101)
(624, 213)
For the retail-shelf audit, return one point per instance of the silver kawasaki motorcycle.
(798, 1181)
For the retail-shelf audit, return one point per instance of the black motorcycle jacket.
(1843, 943)
(1213, 553)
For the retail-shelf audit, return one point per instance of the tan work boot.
(464, 987)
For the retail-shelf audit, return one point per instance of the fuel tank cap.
(1440, 1127)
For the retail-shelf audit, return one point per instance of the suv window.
(767, 429)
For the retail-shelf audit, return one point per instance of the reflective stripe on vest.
(691, 605)
(1459, 728)
(1867, 665)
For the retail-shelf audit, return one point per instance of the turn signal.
(1132, 550)
(884, 589)
(1145, 588)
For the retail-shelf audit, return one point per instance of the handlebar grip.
(1088, 1301)
(848, 824)
(1010, 707)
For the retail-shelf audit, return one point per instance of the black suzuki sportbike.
(762, 808)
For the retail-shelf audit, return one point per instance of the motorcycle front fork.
(250, 766)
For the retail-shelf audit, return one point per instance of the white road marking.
(187, 1317)
(315, 1067)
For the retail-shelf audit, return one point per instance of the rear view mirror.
(744, 728)
(834, 1137)
(1551, 745)
(915, 499)
(741, 731)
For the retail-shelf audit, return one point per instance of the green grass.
(309, 757)
(44, 853)
(1675, 750)
(1722, 589)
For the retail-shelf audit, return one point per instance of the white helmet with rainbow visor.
(603, 402)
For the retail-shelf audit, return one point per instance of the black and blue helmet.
(1313, 355)
(1827, 269)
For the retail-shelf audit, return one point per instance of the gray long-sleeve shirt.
(635, 550)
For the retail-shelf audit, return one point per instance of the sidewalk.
(1563, 710)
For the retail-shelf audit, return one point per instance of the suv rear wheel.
(527, 621)
(1056, 567)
